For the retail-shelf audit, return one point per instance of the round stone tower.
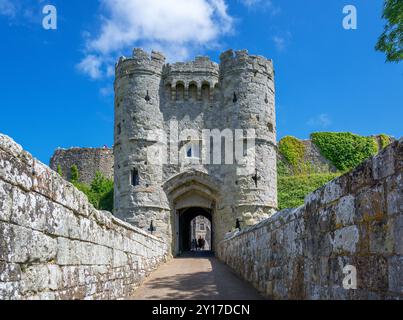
(248, 98)
(139, 198)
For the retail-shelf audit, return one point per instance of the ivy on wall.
(292, 190)
(345, 150)
(293, 151)
(385, 140)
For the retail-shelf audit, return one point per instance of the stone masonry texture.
(239, 94)
(55, 245)
(356, 220)
(89, 161)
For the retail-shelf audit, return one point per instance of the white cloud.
(251, 3)
(322, 120)
(262, 5)
(91, 65)
(7, 8)
(281, 40)
(176, 27)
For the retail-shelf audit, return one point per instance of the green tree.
(74, 175)
(391, 40)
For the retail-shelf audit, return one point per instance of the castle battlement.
(240, 61)
(140, 62)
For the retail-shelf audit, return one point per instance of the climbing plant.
(292, 190)
(293, 151)
(345, 150)
(99, 192)
(385, 140)
(74, 175)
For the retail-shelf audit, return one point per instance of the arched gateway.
(191, 194)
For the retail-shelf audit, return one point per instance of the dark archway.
(185, 218)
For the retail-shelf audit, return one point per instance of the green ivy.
(99, 193)
(385, 140)
(345, 150)
(292, 190)
(74, 175)
(59, 170)
(293, 151)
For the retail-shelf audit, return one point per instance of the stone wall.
(55, 245)
(87, 160)
(355, 220)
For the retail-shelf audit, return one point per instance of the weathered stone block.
(35, 279)
(398, 234)
(5, 201)
(346, 240)
(345, 211)
(396, 274)
(10, 291)
(381, 237)
(361, 176)
(22, 245)
(372, 273)
(15, 171)
(9, 272)
(384, 164)
(335, 189)
(370, 203)
(394, 192)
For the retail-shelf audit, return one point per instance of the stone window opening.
(119, 128)
(193, 92)
(180, 92)
(147, 98)
(235, 99)
(205, 92)
(135, 178)
(193, 150)
(270, 127)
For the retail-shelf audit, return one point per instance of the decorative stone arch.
(193, 91)
(180, 91)
(187, 191)
(206, 91)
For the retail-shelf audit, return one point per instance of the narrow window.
(135, 178)
(189, 152)
(180, 92)
(206, 92)
(119, 128)
(193, 92)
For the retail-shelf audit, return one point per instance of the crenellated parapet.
(240, 61)
(140, 63)
(191, 81)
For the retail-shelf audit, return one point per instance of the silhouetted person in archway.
(200, 243)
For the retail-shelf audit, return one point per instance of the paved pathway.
(195, 277)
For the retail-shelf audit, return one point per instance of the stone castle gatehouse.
(178, 100)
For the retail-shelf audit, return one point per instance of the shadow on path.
(195, 276)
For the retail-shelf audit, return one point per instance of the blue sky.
(327, 78)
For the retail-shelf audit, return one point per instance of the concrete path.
(195, 277)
